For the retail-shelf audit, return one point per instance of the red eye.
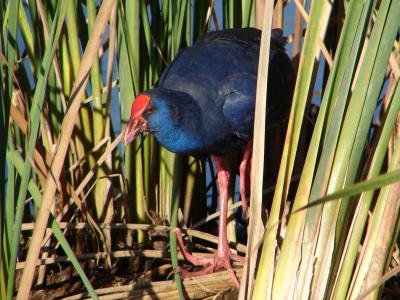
(150, 109)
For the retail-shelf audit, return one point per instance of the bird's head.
(137, 122)
(171, 116)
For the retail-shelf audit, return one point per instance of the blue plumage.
(204, 102)
(204, 105)
(174, 127)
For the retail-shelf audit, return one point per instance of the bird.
(203, 105)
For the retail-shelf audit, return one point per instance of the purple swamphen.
(204, 105)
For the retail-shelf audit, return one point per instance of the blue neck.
(174, 127)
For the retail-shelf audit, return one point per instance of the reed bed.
(79, 207)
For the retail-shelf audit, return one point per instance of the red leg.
(223, 181)
(244, 172)
(224, 255)
(223, 252)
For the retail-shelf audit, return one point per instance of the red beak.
(132, 130)
(137, 123)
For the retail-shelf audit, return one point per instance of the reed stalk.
(65, 98)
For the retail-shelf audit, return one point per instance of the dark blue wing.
(219, 74)
(236, 98)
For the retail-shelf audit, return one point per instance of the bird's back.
(202, 69)
(220, 74)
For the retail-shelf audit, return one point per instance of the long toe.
(217, 264)
(221, 261)
(192, 259)
(232, 273)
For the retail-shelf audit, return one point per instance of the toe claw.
(223, 260)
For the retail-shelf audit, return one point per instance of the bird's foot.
(215, 264)
(222, 260)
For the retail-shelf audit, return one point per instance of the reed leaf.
(37, 103)
(129, 87)
(255, 225)
(336, 241)
(84, 138)
(176, 195)
(355, 128)
(320, 10)
(248, 13)
(28, 38)
(100, 193)
(15, 159)
(336, 90)
(4, 127)
(380, 236)
(334, 100)
(59, 157)
(359, 222)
